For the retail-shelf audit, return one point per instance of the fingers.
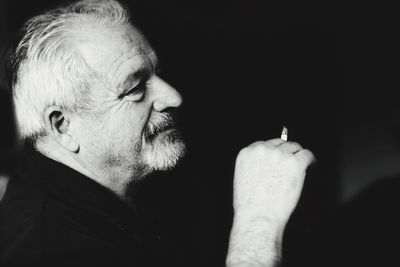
(275, 142)
(290, 147)
(305, 156)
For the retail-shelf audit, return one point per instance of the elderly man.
(99, 120)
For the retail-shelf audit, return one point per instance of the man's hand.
(268, 180)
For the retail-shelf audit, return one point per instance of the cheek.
(126, 123)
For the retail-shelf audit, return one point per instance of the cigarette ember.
(284, 135)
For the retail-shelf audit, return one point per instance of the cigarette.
(285, 132)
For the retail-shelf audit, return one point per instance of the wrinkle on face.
(122, 52)
(132, 63)
(113, 138)
(128, 63)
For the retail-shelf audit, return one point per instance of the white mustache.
(158, 123)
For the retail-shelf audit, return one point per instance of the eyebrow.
(143, 73)
(138, 75)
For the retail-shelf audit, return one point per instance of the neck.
(122, 188)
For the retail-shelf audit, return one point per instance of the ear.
(58, 124)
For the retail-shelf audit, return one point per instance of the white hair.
(46, 67)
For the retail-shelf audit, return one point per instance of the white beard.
(164, 151)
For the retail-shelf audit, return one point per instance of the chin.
(164, 151)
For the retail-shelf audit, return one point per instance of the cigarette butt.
(284, 135)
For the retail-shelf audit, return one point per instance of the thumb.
(306, 157)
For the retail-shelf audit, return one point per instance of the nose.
(165, 96)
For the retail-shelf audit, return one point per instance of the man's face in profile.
(128, 131)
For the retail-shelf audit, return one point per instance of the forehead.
(108, 49)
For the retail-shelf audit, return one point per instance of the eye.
(138, 92)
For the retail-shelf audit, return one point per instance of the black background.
(245, 69)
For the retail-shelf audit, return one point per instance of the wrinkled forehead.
(108, 49)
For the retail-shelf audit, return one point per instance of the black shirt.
(52, 214)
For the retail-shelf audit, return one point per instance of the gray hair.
(46, 67)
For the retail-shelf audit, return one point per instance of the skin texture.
(268, 180)
(126, 134)
(110, 143)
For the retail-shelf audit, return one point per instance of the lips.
(162, 127)
(160, 123)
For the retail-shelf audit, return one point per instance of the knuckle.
(294, 144)
(243, 152)
(267, 151)
(255, 144)
(273, 142)
(260, 149)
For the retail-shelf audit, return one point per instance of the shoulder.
(21, 206)
(21, 211)
(37, 228)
